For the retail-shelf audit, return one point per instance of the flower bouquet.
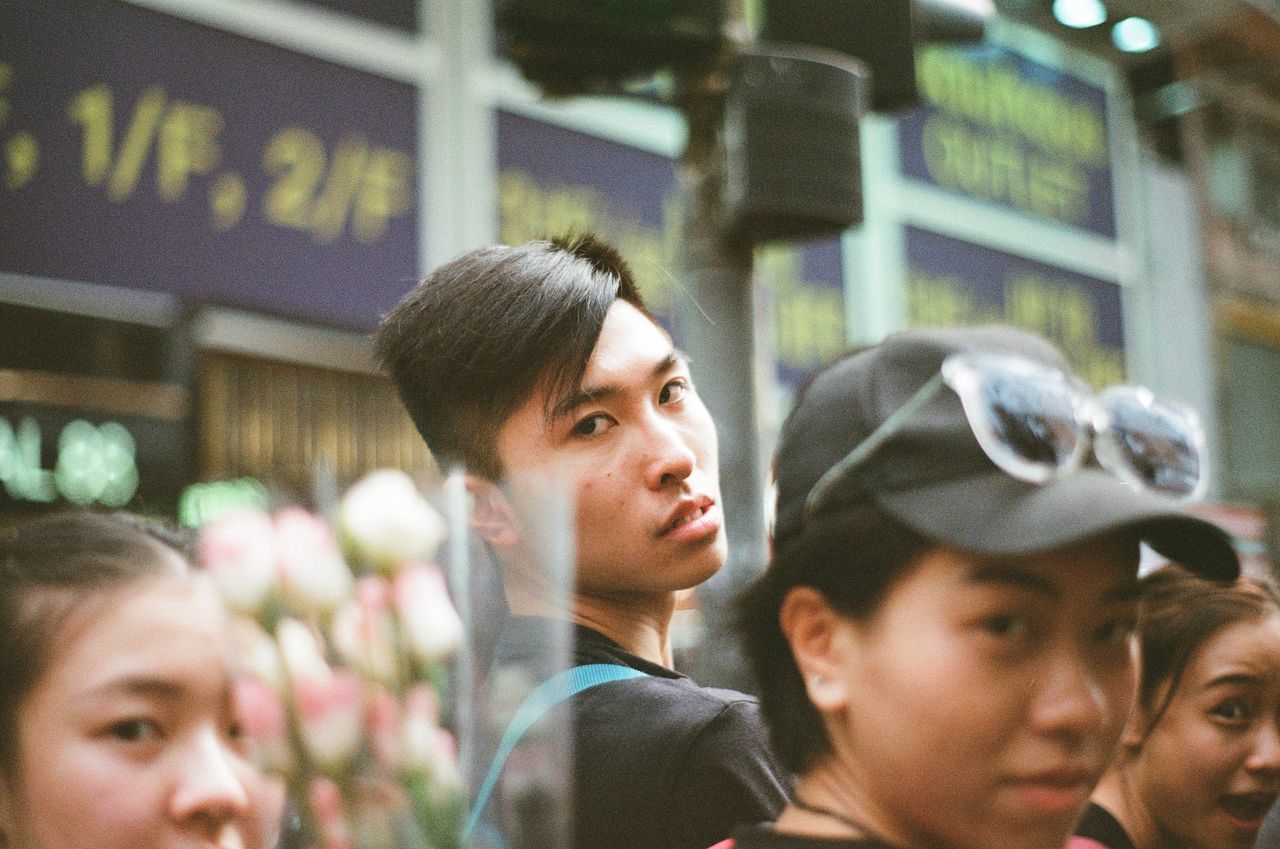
(344, 640)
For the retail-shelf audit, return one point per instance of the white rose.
(314, 576)
(386, 522)
(239, 551)
(428, 621)
(301, 651)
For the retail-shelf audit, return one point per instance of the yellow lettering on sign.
(944, 300)
(385, 192)
(998, 98)
(528, 210)
(995, 168)
(1060, 312)
(187, 146)
(93, 109)
(807, 317)
(22, 158)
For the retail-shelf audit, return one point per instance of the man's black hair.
(471, 342)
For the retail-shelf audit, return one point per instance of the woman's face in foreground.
(984, 698)
(1209, 770)
(127, 740)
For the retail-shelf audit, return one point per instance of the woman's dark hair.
(852, 558)
(471, 342)
(53, 566)
(1179, 613)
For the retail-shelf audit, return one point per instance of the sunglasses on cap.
(1038, 423)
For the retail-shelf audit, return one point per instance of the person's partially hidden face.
(1209, 769)
(984, 698)
(636, 448)
(127, 740)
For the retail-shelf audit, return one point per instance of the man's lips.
(692, 518)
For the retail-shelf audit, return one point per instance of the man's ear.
(492, 516)
(820, 642)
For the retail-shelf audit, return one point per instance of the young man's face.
(985, 698)
(637, 449)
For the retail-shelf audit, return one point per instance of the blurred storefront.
(247, 186)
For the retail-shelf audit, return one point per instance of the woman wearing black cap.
(943, 638)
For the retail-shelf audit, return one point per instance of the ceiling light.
(1079, 14)
(1135, 35)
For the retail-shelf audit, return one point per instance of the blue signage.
(144, 151)
(950, 282)
(554, 180)
(996, 126)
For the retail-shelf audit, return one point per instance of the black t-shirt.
(660, 762)
(1099, 825)
(764, 837)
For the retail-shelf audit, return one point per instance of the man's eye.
(674, 391)
(591, 425)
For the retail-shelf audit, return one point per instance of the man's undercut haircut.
(478, 336)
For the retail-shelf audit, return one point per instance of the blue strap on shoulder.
(541, 699)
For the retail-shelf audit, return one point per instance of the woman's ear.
(492, 516)
(819, 639)
(1136, 728)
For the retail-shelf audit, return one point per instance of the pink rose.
(427, 748)
(239, 551)
(326, 803)
(429, 623)
(363, 631)
(264, 722)
(383, 723)
(314, 576)
(330, 712)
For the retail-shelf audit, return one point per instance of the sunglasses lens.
(1152, 444)
(1026, 417)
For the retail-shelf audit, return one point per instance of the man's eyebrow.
(584, 395)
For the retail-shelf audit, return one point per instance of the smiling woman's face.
(1209, 770)
(127, 741)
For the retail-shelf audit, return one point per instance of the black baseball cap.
(934, 477)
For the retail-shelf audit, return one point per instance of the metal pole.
(716, 322)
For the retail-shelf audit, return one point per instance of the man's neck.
(642, 627)
(640, 623)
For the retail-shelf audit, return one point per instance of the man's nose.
(671, 460)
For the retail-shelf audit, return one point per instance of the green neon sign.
(96, 464)
(203, 502)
